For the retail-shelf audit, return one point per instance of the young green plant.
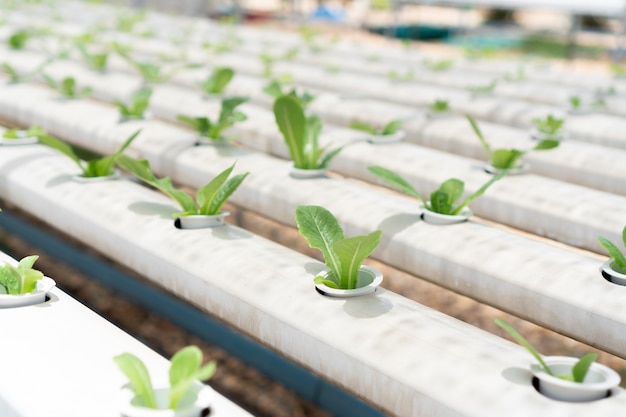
(138, 105)
(209, 199)
(217, 81)
(301, 134)
(443, 199)
(95, 60)
(483, 89)
(579, 370)
(33, 131)
(343, 256)
(438, 65)
(508, 158)
(18, 39)
(619, 259)
(229, 115)
(388, 129)
(549, 125)
(67, 87)
(185, 368)
(275, 89)
(90, 164)
(439, 106)
(20, 279)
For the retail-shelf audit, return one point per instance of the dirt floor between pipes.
(241, 383)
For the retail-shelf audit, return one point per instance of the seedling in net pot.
(445, 199)
(185, 370)
(67, 87)
(615, 268)
(90, 164)
(343, 256)
(508, 159)
(138, 105)
(20, 279)
(18, 39)
(217, 81)
(439, 106)
(95, 60)
(208, 200)
(276, 89)
(213, 129)
(549, 127)
(389, 129)
(301, 134)
(438, 65)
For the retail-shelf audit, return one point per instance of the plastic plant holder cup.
(610, 273)
(303, 174)
(200, 221)
(521, 168)
(367, 281)
(598, 383)
(131, 407)
(38, 296)
(390, 138)
(22, 139)
(87, 180)
(431, 217)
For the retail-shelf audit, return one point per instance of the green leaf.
(141, 169)
(27, 263)
(292, 124)
(579, 371)
(505, 158)
(206, 194)
(480, 136)
(546, 144)
(362, 126)
(218, 80)
(479, 192)
(351, 253)
(392, 127)
(225, 192)
(396, 181)
(328, 157)
(184, 370)
(273, 89)
(64, 148)
(520, 339)
(202, 124)
(10, 279)
(311, 151)
(328, 282)
(139, 378)
(614, 252)
(449, 192)
(322, 231)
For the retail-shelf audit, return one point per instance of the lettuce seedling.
(18, 39)
(151, 73)
(343, 256)
(218, 80)
(91, 164)
(67, 87)
(275, 89)
(95, 61)
(227, 118)
(439, 106)
(209, 199)
(443, 199)
(483, 89)
(33, 131)
(575, 102)
(508, 158)
(619, 258)
(549, 125)
(438, 65)
(389, 129)
(579, 370)
(20, 279)
(401, 76)
(138, 103)
(301, 133)
(185, 368)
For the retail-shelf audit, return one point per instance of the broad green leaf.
(27, 263)
(520, 339)
(185, 363)
(362, 126)
(10, 279)
(273, 89)
(396, 181)
(218, 80)
(206, 194)
(479, 192)
(202, 124)
(327, 282)
(224, 192)
(68, 86)
(505, 158)
(579, 371)
(351, 253)
(392, 127)
(440, 202)
(292, 124)
(139, 378)
(614, 252)
(453, 189)
(30, 278)
(546, 144)
(321, 230)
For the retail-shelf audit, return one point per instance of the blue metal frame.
(304, 383)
